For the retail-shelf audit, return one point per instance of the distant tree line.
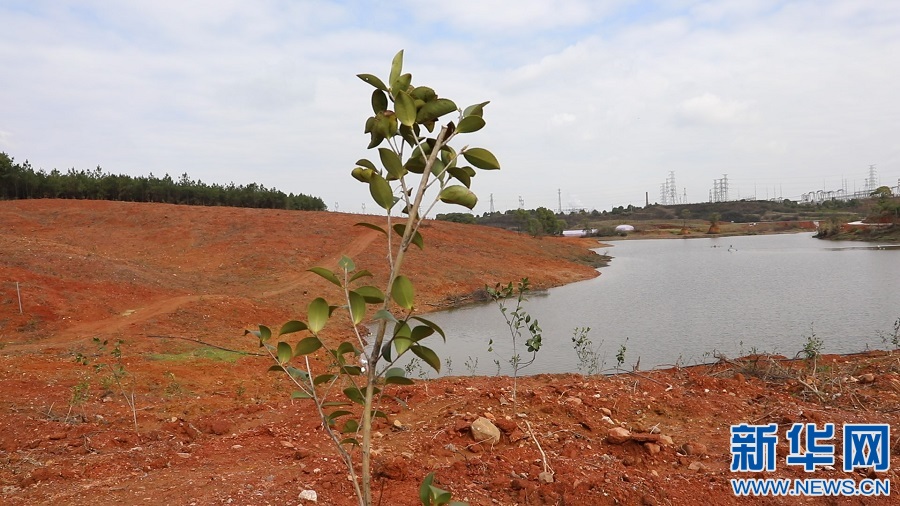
(21, 181)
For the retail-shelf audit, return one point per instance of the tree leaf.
(300, 394)
(460, 175)
(405, 109)
(398, 380)
(401, 85)
(350, 440)
(415, 164)
(346, 263)
(284, 353)
(383, 314)
(371, 294)
(318, 313)
(350, 426)
(323, 378)
(400, 229)
(481, 158)
(428, 356)
(431, 324)
(264, 333)
(402, 292)
(307, 346)
(327, 274)
(470, 124)
(355, 395)
(374, 81)
(475, 110)
(291, 327)
(423, 93)
(420, 332)
(401, 344)
(379, 101)
(381, 192)
(460, 195)
(362, 162)
(392, 163)
(434, 110)
(373, 227)
(396, 67)
(360, 274)
(424, 496)
(357, 307)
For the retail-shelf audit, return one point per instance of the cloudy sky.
(593, 103)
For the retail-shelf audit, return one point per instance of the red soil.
(213, 431)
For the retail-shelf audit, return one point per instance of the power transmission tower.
(337, 207)
(492, 203)
(521, 202)
(559, 196)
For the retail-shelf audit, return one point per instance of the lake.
(679, 301)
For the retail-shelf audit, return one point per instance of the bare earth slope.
(214, 428)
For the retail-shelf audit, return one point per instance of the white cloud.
(711, 110)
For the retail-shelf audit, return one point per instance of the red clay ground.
(215, 428)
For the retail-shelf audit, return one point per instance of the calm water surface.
(672, 300)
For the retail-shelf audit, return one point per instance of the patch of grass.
(205, 353)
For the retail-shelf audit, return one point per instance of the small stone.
(503, 401)
(606, 411)
(398, 425)
(490, 416)
(867, 378)
(485, 431)
(236, 447)
(287, 444)
(696, 466)
(184, 455)
(545, 477)
(618, 435)
(666, 440)
(648, 500)
(652, 448)
(574, 401)
(309, 495)
(608, 420)
(694, 449)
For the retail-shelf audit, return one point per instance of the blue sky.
(598, 100)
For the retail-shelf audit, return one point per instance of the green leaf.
(362, 175)
(431, 324)
(350, 426)
(401, 85)
(424, 496)
(297, 374)
(323, 378)
(376, 139)
(351, 370)
(417, 239)
(401, 344)
(470, 124)
(373, 227)
(360, 274)
(374, 81)
(394, 371)
(481, 158)
(383, 314)
(379, 101)
(434, 110)
(327, 274)
(357, 307)
(350, 440)
(318, 313)
(392, 163)
(398, 380)
(396, 67)
(416, 164)
(291, 327)
(440, 496)
(371, 294)
(284, 353)
(402, 292)
(307, 346)
(423, 93)
(475, 110)
(379, 414)
(362, 162)
(406, 109)
(264, 333)
(420, 332)
(300, 394)
(428, 356)
(345, 348)
(346, 264)
(381, 192)
(355, 395)
(460, 195)
(460, 176)
(338, 413)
